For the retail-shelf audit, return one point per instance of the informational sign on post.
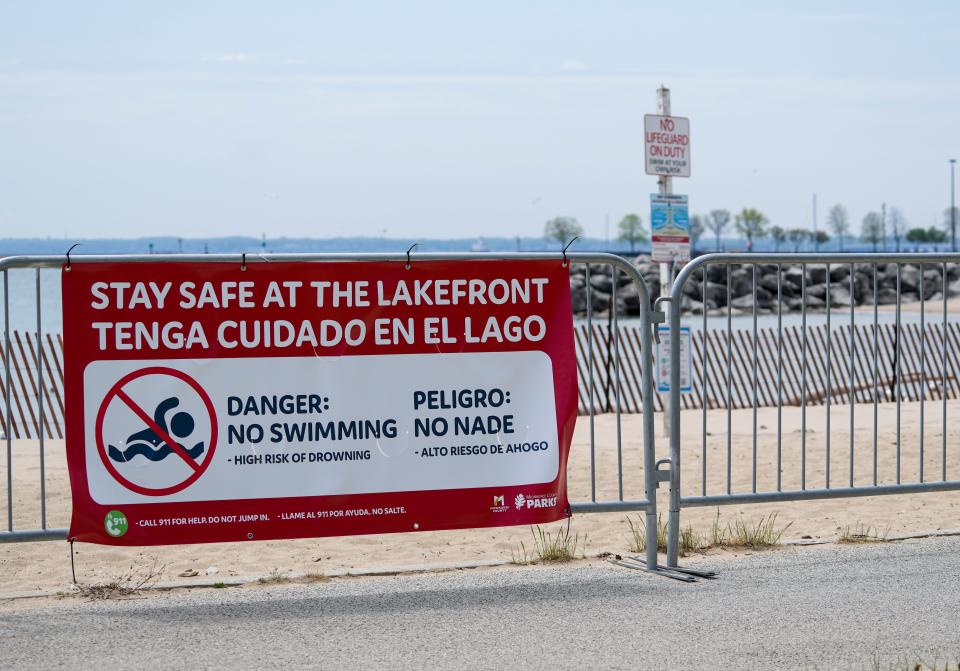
(669, 227)
(666, 145)
(663, 360)
(209, 402)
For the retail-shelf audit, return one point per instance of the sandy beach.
(45, 565)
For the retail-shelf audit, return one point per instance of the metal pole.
(671, 418)
(673, 521)
(883, 219)
(953, 209)
(39, 363)
(816, 240)
(9, 393)
(665, 186)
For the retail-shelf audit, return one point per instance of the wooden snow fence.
(24, 420)
(921, 367)
(922, 370)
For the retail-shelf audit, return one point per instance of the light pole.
(953, 209)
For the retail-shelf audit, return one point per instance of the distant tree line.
(876, 228)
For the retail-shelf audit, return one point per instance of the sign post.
(667, 155)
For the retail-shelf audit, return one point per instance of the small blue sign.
(668, 215)
(670, 227)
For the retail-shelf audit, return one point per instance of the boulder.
(816, 274)
(863, 288)
(630, 297)
(741, 281)
(817, 290)
(691, 288)
(886, 296)
(787, 290)
(769, 282)
(716, 294)
(909, 278)
(838, 273)
(690, 306)
(793, 276)
(600, 301)
(889, 269)
(840, 296)
(578, 300)
(602, 283)
(717, 273)
(932, 282)
(813, 303)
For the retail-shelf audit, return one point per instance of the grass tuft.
(638, 534)
(737, 533)
(126, 584)
(860, 533)
(763, 534)
(550, 547)
(313, 576)
(276, 576)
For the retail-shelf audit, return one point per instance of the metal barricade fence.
(29, 280)
(865, 337)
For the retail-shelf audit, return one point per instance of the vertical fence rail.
(8, 392)
(40, 395)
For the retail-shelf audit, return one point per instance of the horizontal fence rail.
(850, 397)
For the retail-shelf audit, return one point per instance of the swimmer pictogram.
(167, 449)
(150, 444)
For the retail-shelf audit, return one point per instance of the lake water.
(22, 294)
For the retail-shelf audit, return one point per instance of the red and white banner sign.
(207, 403)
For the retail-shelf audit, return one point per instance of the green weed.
(560, 546)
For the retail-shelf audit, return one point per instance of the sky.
(456, 119)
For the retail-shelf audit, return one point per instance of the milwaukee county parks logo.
(535, 501)
(498, 504)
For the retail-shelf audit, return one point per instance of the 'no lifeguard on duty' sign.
(666, 144)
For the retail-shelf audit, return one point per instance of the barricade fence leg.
(673, 521)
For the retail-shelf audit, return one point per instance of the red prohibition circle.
(112, 394)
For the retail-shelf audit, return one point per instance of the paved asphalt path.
(826, 608)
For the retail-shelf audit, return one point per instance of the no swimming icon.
(156, 431)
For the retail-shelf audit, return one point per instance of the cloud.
(233, 58)
(573, 66)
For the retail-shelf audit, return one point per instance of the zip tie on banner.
(243, 261)
(407, 266)
(76, 244)
(566, 247)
